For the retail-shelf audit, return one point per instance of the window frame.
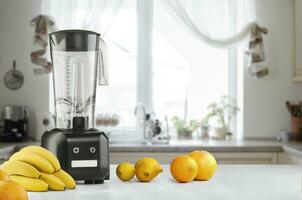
(145, 63)
(144, 53)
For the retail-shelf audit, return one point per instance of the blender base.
(84, 154)
(93, 182)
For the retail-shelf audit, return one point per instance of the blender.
(78, 58)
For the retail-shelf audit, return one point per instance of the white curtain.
(95, 15)
(211, 21)
(216, 23)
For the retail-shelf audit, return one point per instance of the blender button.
(76, 150)
(92, 150)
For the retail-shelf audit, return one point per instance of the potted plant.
(184, 129)
(204, 128)
(222, 112)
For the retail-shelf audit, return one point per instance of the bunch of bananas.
(37, 170)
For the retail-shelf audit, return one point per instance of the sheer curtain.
(211, 21)
(95, 15)
(203, 68)
(214, 23)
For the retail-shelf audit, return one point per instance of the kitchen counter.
(209, 145)
(7, 148)
(293, 148)
(231, 182)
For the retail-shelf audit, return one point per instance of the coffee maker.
(78, 59)
(15, 123)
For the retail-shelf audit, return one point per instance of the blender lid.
(74, 40)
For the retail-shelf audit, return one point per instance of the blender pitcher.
(77, 57)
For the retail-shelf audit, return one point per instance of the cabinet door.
(163, 158)
(287, 159)
(297, 73)
(247, 158)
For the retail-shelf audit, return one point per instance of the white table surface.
(231, 182)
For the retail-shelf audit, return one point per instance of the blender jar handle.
(102, 63)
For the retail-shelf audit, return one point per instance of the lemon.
(146, 172)
(149, 161)
(147, 169)
(125, 171)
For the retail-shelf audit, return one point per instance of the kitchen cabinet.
(222, 158)
(287, 158)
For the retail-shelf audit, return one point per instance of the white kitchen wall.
(264, 110)
(264, 100)
(16, 38)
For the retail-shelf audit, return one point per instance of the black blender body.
(82, 150)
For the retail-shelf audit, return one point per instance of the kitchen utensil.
(83, 151)
(294, 110)
(15, 127)
(14, 79)
(289, 108)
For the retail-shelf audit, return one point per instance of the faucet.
(148, 126)
(140, 120)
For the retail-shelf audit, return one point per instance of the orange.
(183, 168)
(206, 163)
(3, 176)
(10, 190)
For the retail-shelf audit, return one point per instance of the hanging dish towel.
(256, 66)
(43, 24)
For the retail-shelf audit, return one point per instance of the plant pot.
(184, 134)
(296, 128)
(204, 132)
(219, 133)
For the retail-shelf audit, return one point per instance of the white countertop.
(231, 182)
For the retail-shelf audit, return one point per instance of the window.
(194, 73)
(171, 72)
(120, 95)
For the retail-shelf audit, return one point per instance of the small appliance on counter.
(15, 123)
(45, 120)
(82, 150)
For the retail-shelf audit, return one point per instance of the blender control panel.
(83, 153)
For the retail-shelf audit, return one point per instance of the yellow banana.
(54, 182)
(46, 154)
(30, 184)
(15, 167)
(66, 178)
(34, 159)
